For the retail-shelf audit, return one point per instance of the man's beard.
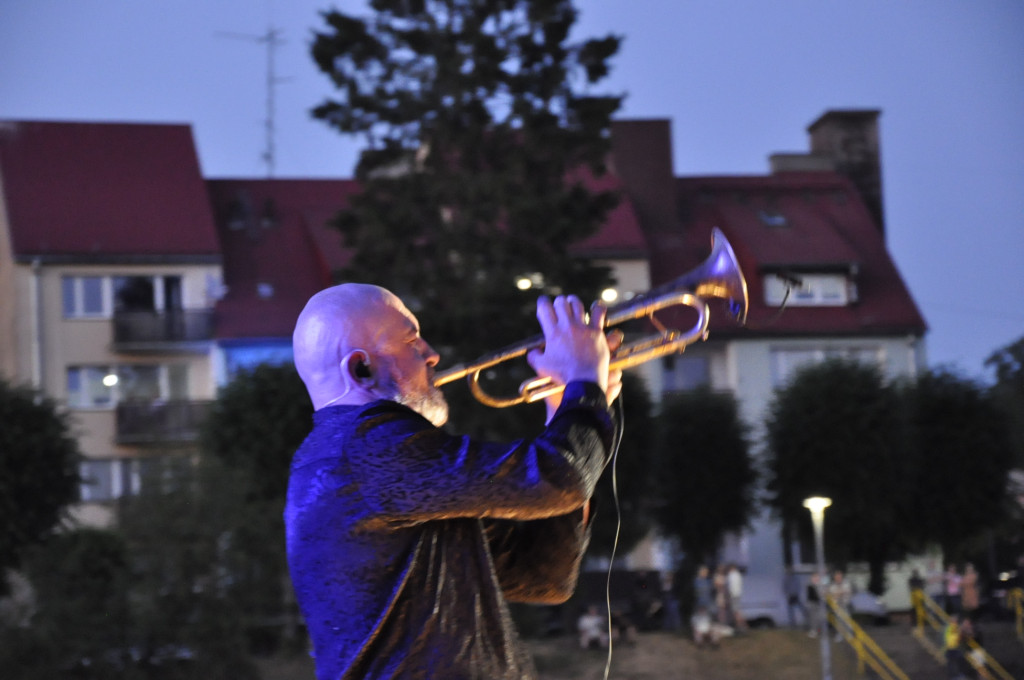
(429, 403)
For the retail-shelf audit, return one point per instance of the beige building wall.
(69, 342)
(8, 299)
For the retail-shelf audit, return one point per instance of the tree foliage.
(705, 477)
(258, 421)
(38, 470)
(627, 480)
(836, 431)
(480, 131)
(80, 581)
(205, 560)
(1008, 391)
(256, 424)
(906, 465)
(960, 456)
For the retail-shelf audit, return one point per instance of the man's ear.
(357, 364)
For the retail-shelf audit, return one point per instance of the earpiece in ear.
(361, 369)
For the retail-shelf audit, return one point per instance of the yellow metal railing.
(1015, 602)
(867, 650)
(928, 614)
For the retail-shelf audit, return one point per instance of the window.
(138, 383)
(99, 296)
(772, 218)
(84, 297)
(147, 293)
(91, 387)
(100, 480)
(686, 372)
(808, 290)
(108, 479)
(104, 386)
(785, 362)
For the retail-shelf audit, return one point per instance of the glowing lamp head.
(817, 503)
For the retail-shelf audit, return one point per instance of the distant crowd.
(716, 613)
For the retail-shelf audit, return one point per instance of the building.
(810, 239)
(109, 271)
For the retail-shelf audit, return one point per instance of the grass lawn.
(763, 654)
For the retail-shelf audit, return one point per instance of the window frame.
(74, 297)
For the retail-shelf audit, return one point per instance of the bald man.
(404, 542)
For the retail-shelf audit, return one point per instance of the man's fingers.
(577, 308)
(598, 313)
(568, 308)
(545, 312)
(615, 338)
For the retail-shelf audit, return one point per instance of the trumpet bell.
(719, 276)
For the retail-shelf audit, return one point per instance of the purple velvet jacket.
(404, 542)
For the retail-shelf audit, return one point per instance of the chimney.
(850, 138)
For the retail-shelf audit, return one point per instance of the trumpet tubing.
(719, 276)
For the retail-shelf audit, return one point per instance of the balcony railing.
(171, 326)
(159, 422)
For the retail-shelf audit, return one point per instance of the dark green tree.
(38, 471)
(960, 457)
(188, 591)
(481, 129)
(80, 583)
(627, 479)
(1007, 363)
(257, 422)
(1007, 392)
(705, 478)
(836, 430)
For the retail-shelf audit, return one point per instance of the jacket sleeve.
(410, 472)
(538, 561)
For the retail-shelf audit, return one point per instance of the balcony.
(160, 422)
(162, 331)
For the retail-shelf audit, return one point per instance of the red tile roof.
(271, 269)
(133, 192)
(621, 236)
(105, 192)
(790, 222)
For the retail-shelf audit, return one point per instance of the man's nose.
(429, 355)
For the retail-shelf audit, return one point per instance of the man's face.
(407, 373)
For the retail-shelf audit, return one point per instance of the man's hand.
(575, 346)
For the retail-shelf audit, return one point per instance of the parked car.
(865, 605)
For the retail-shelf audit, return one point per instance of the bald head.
(355, 342)
(335, 322)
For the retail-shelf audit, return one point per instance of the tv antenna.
(272, 39)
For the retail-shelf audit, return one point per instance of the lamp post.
(817, 505)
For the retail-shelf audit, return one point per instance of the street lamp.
(817, 505)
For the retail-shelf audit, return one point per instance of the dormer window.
(772, 218)
(809, 290)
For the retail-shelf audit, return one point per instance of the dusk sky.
(739, 79)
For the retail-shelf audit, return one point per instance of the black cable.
(618, 528)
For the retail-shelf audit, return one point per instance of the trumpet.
(719, 276)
